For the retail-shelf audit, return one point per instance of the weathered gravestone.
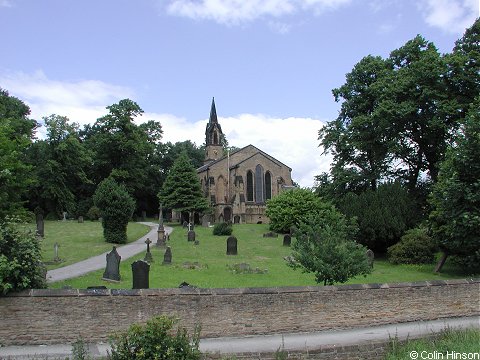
(185, 224)
(55, 249)
(40, 225)
(370, 256)
(140, 271)
(64, 216)
(287, 240)
(167, 257)
(148, 256)
(112, 270)
(161, 238)
(191, 235)
(270, 234)
(80, 219)
(205, 221)
(232, 245)
(190, 226)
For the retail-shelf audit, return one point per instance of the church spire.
(213, 113)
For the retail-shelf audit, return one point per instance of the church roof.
(206, 166)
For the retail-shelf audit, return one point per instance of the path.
(271, 343)
(99, 262)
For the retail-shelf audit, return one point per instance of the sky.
(271, 65)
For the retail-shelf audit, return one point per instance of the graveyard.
(260, 262)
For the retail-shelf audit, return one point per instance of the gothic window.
(259, 185)
(249, 186)
(268, 185)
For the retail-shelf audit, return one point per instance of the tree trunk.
(441, 262)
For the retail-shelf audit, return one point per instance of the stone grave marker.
(40, 225)
(80, 219)
(232, 245)
(185, 224)
(55, 248)
(64, 216)
(370, 256)
(167, 257)
(191, 235)
(148, 256)
(270, 234)
(161, 238)
(144, 215)
(140, 271)
(190, 226)
(205, 221)
(112, 270)
(287, 240)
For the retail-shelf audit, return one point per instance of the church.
(239, 183)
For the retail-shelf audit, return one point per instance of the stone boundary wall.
(52, 316)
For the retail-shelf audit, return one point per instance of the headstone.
(370, 256)
(112, 270)
(232, 245)
(80, 219)
(40, 225)
(161, 229)
(148, 256)
(270, 234)
(55, 248)
(64, 216)
(185, 224)
(287, 240)
(205, 220)
(140, 272)
(167, 257)
(144, 215)
(191, 235)
(190, 226)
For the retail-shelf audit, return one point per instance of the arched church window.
(268, 185)
(259, 184)
(249, 186)
(215, 138)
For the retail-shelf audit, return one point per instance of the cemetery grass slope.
(207, 265)
(79, 241)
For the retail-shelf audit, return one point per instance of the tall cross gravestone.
(112, 270)
(148, 255)
(140, 272)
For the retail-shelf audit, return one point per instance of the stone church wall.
(63, 316)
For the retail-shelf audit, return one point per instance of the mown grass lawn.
(212, 268)
(79, 241)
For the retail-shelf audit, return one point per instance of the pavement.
(98, 262)
(271, 343)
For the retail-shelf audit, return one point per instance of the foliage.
(116, 207)
(222, 228)
(415, 247)
(291, 207)
(461, 341)
(20, 258)
(16, 135)
(383, 215)
(79, 350)
(93, 213)
(324, 246)
(455, 199)
(181, 190)
(155, 340)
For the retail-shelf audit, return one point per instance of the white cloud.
(232, 12)
(452, 16)
(81, 101)
(292, 141)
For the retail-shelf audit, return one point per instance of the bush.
(415, 247)
(116, 208)
(155, 340)
(93, 213)
(20, 258)
(222, 229)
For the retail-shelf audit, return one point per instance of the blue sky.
(271, 65)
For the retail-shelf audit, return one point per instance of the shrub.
(20, 258)
(116, 208)
(155, 340)
(222, 228)
(93, 213)
(415, 247)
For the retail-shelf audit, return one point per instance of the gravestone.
(205, 220)
(40, 225)
(140, 272)
(191, 235)
(167, 257)
(232, 245)
(64, 216)
(270, 234)
(287, 240)
(370, 256)
(161, 239)
(55, 249)
(80, 219)
(185, 224)
(112, 270)
(190, 226)
(148, 256)
(144, 215)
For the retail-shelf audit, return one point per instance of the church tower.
(213, 137)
